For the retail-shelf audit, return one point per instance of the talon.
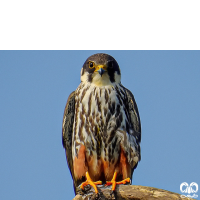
(91, 183)
(127, 180)
(114, 183)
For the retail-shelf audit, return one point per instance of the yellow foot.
(90, 182)
(114, 183)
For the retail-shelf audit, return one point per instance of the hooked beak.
(101, 69)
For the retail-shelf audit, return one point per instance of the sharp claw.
(112, 193)
(90, 183)
(114, 183)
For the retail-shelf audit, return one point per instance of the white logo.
(192, 188)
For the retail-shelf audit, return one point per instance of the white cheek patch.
(84, 77)
(117, 77)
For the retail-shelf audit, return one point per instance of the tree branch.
(129, 192)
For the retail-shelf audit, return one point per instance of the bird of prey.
(101, 130)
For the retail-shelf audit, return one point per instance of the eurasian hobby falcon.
(101, 129)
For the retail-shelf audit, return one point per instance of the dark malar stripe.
(90, 78)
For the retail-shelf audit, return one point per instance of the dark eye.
(91, 65)
(110, 64)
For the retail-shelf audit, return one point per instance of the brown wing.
(134, 116)
(135, 123)
(67, 130)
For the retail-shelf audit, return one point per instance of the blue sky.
(34, 88)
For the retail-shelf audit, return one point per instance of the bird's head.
(101, 69)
